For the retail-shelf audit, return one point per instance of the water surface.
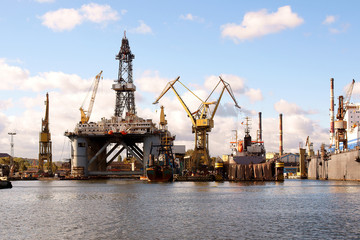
(130, 209)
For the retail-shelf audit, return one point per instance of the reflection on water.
(127, 209)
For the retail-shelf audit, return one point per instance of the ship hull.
(159, 173)
(5, 184)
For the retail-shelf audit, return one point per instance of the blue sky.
(278, 56)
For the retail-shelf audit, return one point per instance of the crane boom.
(171, 85)
(349, 92)
(228, 88)
(86, 116)
(202, 122)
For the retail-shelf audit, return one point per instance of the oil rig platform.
(95, 145)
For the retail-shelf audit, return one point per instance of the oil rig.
(95, 145)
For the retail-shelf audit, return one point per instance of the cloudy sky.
(278, 57)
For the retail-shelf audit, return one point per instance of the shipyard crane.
(202, 120)
(85, 114)
(45, 152)
(340, 124)
(349, 92)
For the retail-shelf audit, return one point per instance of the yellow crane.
(45, 152)
(85, 114)
(202, 120)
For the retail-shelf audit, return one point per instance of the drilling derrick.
(45, 141)
(124, 86)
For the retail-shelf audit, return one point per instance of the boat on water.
(160, 168)
(161, 158)
(4, 173)
(159, 173)
(247, 151)
(5, 183)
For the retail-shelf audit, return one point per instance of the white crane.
(85, 114)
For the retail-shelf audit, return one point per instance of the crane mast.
(45, 152)
(85, 115)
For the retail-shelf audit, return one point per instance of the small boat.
(4, 173)
(159, 173)
(4, 183)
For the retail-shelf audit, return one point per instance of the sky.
(278, 57)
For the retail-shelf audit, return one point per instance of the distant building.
(291, 162)
(271, 155)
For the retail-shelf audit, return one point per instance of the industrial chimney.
(260, 129)
(332, 130)
(281, 137)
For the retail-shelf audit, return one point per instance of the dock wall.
(340, 166)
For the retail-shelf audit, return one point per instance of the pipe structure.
(281, 136)
(260, 128)
(332, 130)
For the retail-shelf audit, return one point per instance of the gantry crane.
(202, 120)
(85, 114)
(45, 152)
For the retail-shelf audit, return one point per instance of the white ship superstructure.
(129, 125)
(352, 118)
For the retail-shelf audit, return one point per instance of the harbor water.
(131, 209)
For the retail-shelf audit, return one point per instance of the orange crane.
(202, 121)
(85, 114)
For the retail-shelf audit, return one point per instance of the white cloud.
(343, 28)
(190, 17)
(142, 28)
(254, 95)
(68, 18)
(99, 13)
(150, 81)
(258, 24)
(290, 108)
(62, 19)
(65, 95)
(329, 20)
(296, 128)
(67, 92)
(11, 76)
(237, 83)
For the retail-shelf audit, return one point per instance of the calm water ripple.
(128, 209)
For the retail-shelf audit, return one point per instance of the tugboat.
(4, 173)
(161, 158)
(160, 169)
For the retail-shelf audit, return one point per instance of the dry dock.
(338, 166)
